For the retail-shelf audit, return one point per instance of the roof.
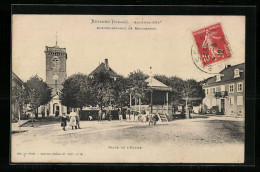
(227, 75)
(56, 97)
(157, 85)
(101, 67)
(16, 79)
(55, 50)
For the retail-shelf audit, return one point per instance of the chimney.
(106, 64)
(228, 66)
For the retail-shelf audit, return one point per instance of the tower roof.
(157, 85)
(55, 50)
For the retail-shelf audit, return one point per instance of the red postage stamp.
(212, 44)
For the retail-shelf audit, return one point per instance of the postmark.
(211, 51)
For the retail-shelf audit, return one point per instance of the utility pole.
(19, 116)
(151, 101)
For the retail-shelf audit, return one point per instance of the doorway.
(56, 109)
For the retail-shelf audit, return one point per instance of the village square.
(138, 110)
(142, 115)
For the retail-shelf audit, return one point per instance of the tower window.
(55, 62)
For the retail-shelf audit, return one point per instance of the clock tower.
(55, 67)
(56, 74)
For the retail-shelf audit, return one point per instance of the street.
(199, 140)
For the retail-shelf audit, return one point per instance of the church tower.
(56, 74)
(55, 67)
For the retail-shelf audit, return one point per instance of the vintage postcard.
(128, 89)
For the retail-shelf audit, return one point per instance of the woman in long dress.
(72, 117)
(209, 43)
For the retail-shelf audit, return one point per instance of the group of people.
(73, 120)
(132, 116)
(102, 115)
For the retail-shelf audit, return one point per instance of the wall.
(230, 109)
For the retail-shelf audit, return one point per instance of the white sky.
(167, 49)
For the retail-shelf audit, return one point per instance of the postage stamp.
(212, 44)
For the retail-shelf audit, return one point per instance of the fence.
(156, 108)
(84, 114)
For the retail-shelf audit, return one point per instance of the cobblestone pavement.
(201, 139)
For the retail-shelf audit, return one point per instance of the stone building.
(56, 74)
(225, 92)
(16, 82)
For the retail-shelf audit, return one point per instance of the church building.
(56, 74)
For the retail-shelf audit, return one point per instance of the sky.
(167, 49)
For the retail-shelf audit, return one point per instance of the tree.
(138, 85)
(19, 98)
(37, 93)
(192, 92)
(121, 91)
(76, 91)
(102, 87)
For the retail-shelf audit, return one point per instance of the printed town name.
(109, 21)
(93, 21)
(125, 24)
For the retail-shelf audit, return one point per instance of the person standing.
(99, 115)
(143, 115)
(64, 121)
(103, 116)
(150, 115)
(72, 117)
(190, 111)
(136, 114)
(56, 113)
(132, 116)
(127, 114)
(120, 114)
(77, 119)
(108, 114)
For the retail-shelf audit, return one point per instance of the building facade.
(16, 82)
(56, 74)
(225, 92)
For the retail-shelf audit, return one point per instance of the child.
(104, 116)
(64, 121)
